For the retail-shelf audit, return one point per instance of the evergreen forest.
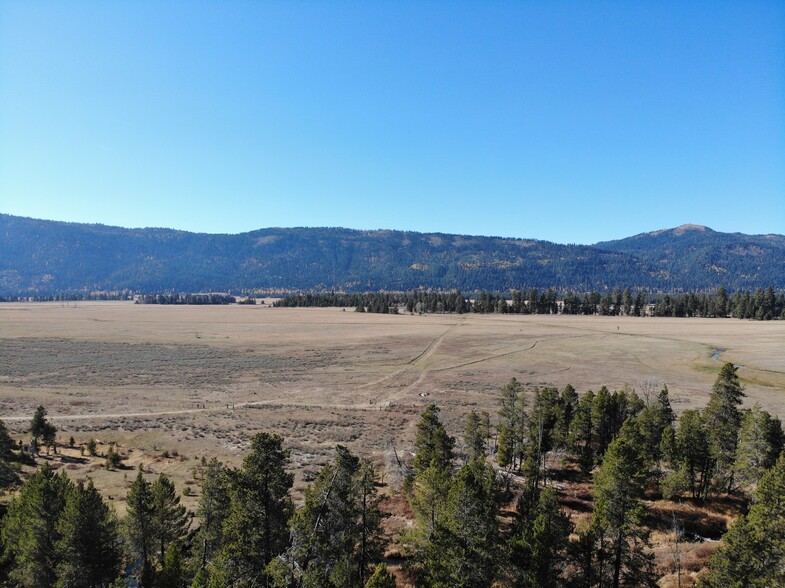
(762, 304)
(48, 258)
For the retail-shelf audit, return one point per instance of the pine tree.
(169, 517)
(627, 302)
(721, 303)
(568, 402)
(512, 417)
(541, 426)
(776, 438)
(30, 531)
(430, 489)
(753, 550)
(639, 307)
(432, 441)
(474, 438)
(113, 459)
(753, 454)
(139, 526)
(581, 555)
(38, 424)
(429, 500)
(603, 417)
(41, 429)
(581, 436)
(370, 517)
(504, 451)
(87, 548)
(462, 548)
(485, 430)
(173, 569)
(6, 443)
(539, 541)
(723, 420)
(213, 510)
(619, 512)
(9, 472)
(692, 449)
(336, 534)
(652, 423)
(256, 529)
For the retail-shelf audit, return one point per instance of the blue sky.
(568, 121)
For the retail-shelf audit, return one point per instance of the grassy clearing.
(279, 367)
(170, 385)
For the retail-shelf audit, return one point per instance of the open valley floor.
(201, 380)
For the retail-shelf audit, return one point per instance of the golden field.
(201, 380)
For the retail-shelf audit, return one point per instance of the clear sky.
(568, 121)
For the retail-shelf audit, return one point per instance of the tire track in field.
(429, 350)
(412, 386)
(506, 353)
(490, 357)
(185, 411)
(433, 345)
(425, 372)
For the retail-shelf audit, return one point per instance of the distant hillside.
(695, 256)
(45, 257)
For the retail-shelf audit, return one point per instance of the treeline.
(248, 531)
(760, 304)
(186, 299)
(73, 296)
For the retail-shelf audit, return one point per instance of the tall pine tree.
(30, 531)
(539, 541)
(336, 535)
(256, 529)
(619, 512)
(170, 519)
(88, 550)
(213, 510)
(140, 529)
(723, 421)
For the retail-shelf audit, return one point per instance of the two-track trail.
(416, 361)
(411, 364)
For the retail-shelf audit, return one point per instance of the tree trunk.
(617, 559)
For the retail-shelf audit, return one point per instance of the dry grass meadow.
(170, 384)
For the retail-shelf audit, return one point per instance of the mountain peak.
(681, 229)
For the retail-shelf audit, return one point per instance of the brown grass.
(141, 374)
(201, 381)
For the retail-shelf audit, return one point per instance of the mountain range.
(41, 257)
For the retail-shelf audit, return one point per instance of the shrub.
(113, 459)
(675, 484)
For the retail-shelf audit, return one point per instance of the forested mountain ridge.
(682, 251)
(45, 257)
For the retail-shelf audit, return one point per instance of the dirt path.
(433, 345)
(490, 357)
(429, 350)
(184, 411)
